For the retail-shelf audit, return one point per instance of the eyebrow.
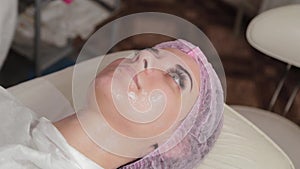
(186, 72)
(155, 146)
(153, 50)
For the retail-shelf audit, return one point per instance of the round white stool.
(277, 34)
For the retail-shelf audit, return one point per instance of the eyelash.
(176, 72)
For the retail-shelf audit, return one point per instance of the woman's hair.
(131, 162)
(197, 133)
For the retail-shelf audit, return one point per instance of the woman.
(189, 119)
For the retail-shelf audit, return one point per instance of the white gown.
(30, 143)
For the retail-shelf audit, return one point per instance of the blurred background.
(44, 36)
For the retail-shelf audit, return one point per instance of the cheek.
(159, 80)
(173, 107)
(167, 118)
(166, 85)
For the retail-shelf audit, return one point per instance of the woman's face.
(145, 95)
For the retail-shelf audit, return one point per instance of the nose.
(147, 58)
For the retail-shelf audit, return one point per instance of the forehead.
(189, 61)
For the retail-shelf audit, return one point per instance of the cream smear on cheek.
(140, 106)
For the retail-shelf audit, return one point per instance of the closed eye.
(180, 76)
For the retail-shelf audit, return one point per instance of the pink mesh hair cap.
(197, 133)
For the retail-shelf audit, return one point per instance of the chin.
(103, 81)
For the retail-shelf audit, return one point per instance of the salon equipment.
(276, 33)
(8, 19)
(240, 145)
(251, 8)
(46, 30)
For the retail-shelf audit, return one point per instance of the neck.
(70, 128)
